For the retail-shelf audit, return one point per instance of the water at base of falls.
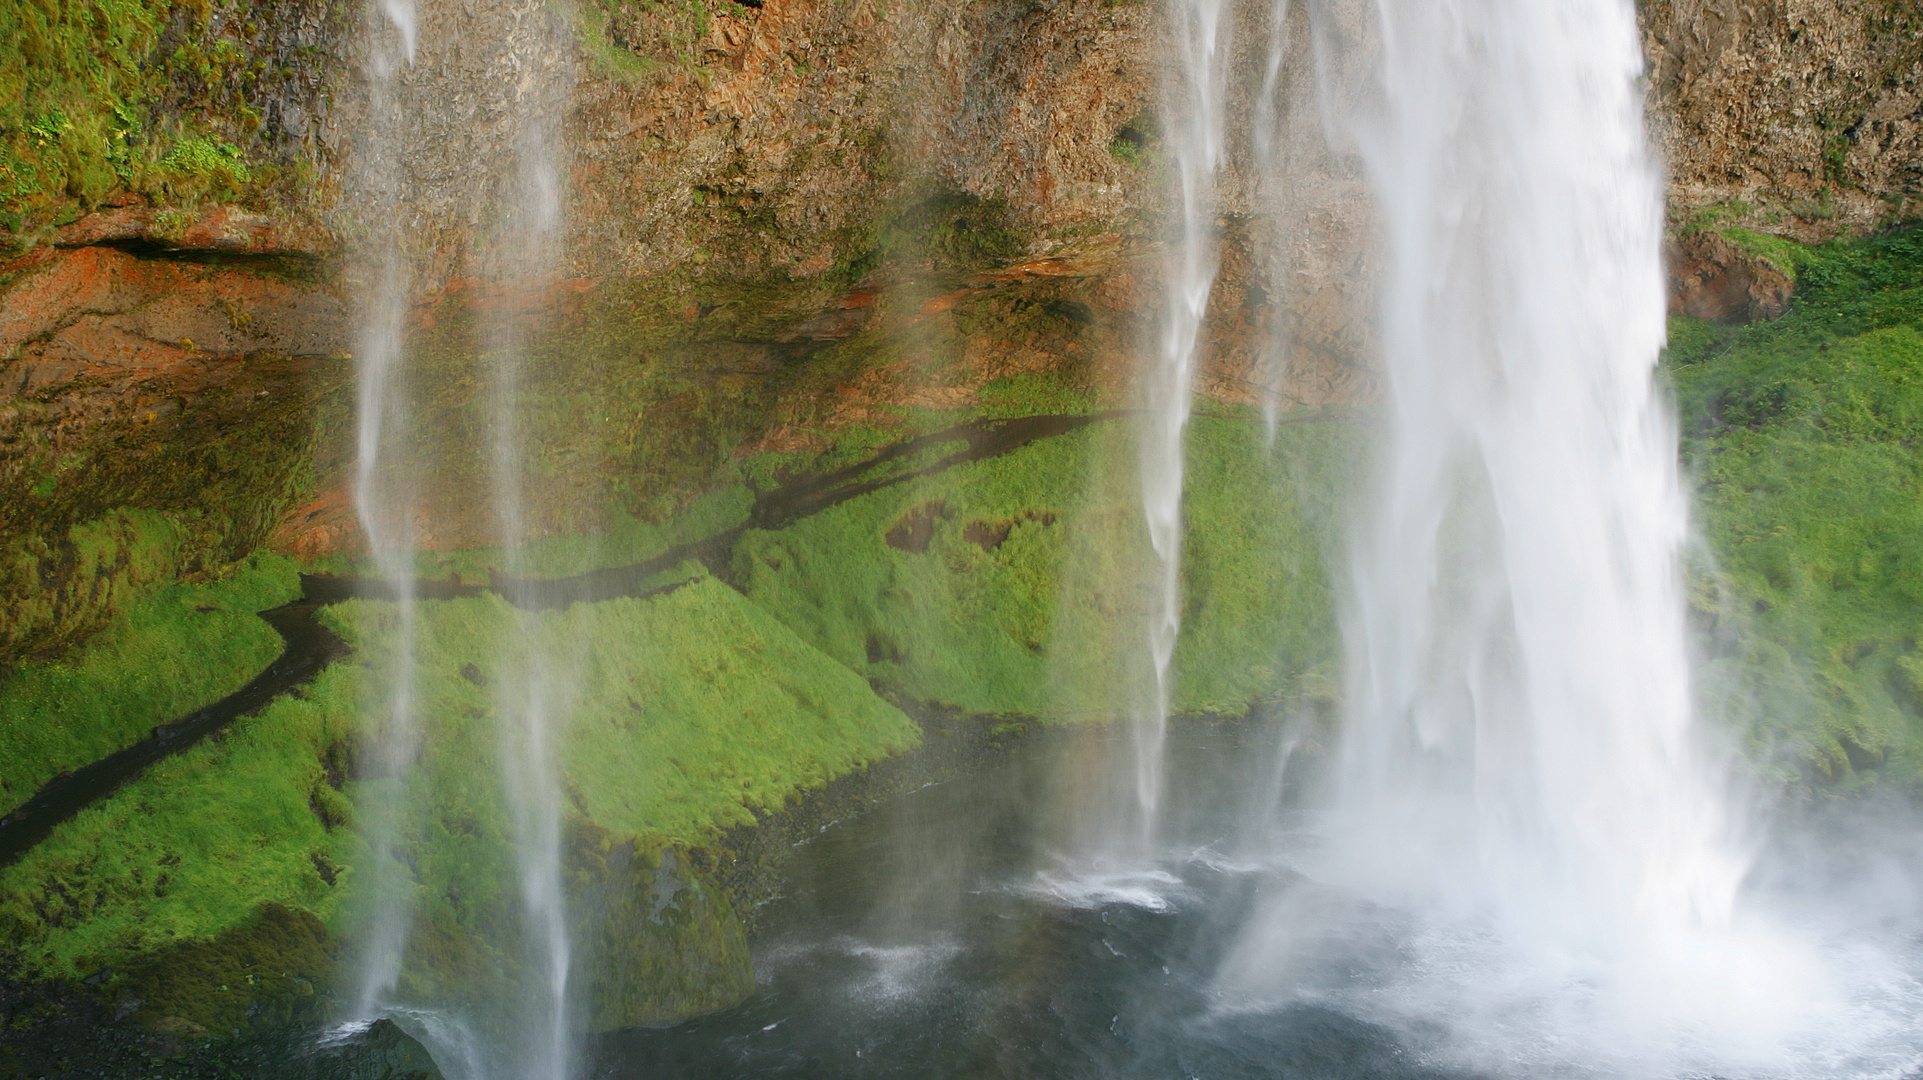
(944, 935)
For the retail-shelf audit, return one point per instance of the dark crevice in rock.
(301, 266)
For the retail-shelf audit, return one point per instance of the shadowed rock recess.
(829, 464)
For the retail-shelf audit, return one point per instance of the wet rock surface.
(1711, 278)
(155, 416)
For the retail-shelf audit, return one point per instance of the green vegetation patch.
(676, 716)
(1802, 435)
(647, 42)
(1017, 584)
(195, 847)
(170, 100)
(714, 709)
(169, 654)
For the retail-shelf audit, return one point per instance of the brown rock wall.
(782, 143)
(1810, 110)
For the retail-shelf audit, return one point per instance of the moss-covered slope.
(1803, 436)
(1015, 584)
(1001, 585)
(174, 651)
(685, 712)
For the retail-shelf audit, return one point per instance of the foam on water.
(1090, 886)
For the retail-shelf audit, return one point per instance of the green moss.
(686, 713)
(209, 165)
(149, 96)
(688, 710)
(1785, 255)
(194, 847)
(1035, 394)
(169, 654)
(659, 940)
(645, 43)
(63, 586)
(154, 493)
(262, 974)
(1014, 584)
(1258, 612)
(1802, 436)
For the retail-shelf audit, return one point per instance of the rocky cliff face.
(796, 215)
(1802, 116)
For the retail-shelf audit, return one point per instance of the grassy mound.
(1802, 436)
(689, 711)
(195, 846)
(171, 653)
(1015, 584)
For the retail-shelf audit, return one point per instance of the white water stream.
(1194, 105)
(383, 498)
(531, 700)
(517, 261)
(1519, 731)
(1521, 803)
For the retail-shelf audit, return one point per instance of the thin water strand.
(532, 712)
(1201, 40)
(384, 498)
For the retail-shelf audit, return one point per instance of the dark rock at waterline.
(380, 1051)
(376, 1051)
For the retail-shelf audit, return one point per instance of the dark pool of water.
(952, 934)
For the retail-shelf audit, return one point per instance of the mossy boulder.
(659, 938)
(266, 973)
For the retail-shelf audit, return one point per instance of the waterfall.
(1194, 108)
(1519, 705)
(408, 200)
(529, 699)
(385, 498)
(1518, 778)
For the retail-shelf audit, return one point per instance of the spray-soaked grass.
(1016, 584)
(192, 847)
(683, 713)
(1802, 436)
(676, 716)
(169, 654)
